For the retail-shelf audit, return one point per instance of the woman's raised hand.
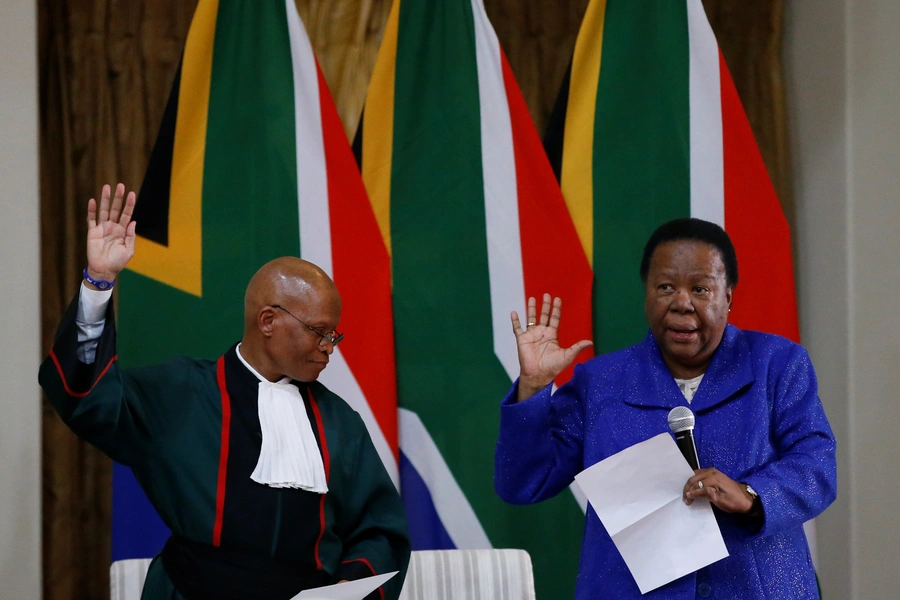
(541, 358)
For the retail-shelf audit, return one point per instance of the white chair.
(126, 578)
(469, 575)
(432, 575)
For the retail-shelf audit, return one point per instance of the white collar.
(254, 371)
(289, 456)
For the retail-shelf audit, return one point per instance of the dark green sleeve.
(375, 536)
(121, 411)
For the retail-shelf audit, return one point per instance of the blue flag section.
(426, 530)
(137, 531)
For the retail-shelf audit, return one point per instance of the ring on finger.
(700, 485)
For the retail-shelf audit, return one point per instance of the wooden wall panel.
(105, 70)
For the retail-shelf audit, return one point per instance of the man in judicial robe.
(268, 481)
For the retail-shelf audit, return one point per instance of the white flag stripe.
(707, 160)
(501, 197)
(315, 221)
(339, 378)
(454, 510)
(312, 174)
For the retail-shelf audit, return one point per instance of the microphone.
(681, 422)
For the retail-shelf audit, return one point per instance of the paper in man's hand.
(350, 590)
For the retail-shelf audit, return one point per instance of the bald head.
(289, 306)
(286, 281)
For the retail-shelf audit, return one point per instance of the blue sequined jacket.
(758, 420)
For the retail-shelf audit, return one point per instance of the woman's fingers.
(517, 327)
(545, 310)
(575, 349)
(555, 313)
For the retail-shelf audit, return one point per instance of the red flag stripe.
(552, 256)
(362, 273)
(765, 298)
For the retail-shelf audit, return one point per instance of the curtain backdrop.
(105, 71)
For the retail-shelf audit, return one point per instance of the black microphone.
(681, 422)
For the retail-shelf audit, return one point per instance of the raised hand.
(541, 358)
(110, 238)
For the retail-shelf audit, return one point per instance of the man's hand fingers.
(116, 208)
(92, 213)
(130, 237)
(128, 209)
(104, 204)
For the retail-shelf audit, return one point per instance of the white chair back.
(126, 578)
(469, 575)
(432, 575)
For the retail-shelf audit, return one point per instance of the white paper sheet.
(637, 495)
(350, 590)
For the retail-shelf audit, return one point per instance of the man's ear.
(265, 321)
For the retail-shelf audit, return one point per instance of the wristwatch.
(755, 508)
(752, 492)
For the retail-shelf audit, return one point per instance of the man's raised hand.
(110, 238)
(541, 358)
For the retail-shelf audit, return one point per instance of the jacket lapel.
(653, 385)
(728, 373)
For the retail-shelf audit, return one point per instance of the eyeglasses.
(333, 337)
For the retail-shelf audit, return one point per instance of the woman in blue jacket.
(760, 427)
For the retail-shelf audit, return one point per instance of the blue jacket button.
(704, 590)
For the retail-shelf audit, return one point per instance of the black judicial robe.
(190, 431)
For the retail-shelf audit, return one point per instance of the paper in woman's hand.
(637, 494)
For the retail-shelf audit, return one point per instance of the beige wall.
(20, 431)
(843, 75)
